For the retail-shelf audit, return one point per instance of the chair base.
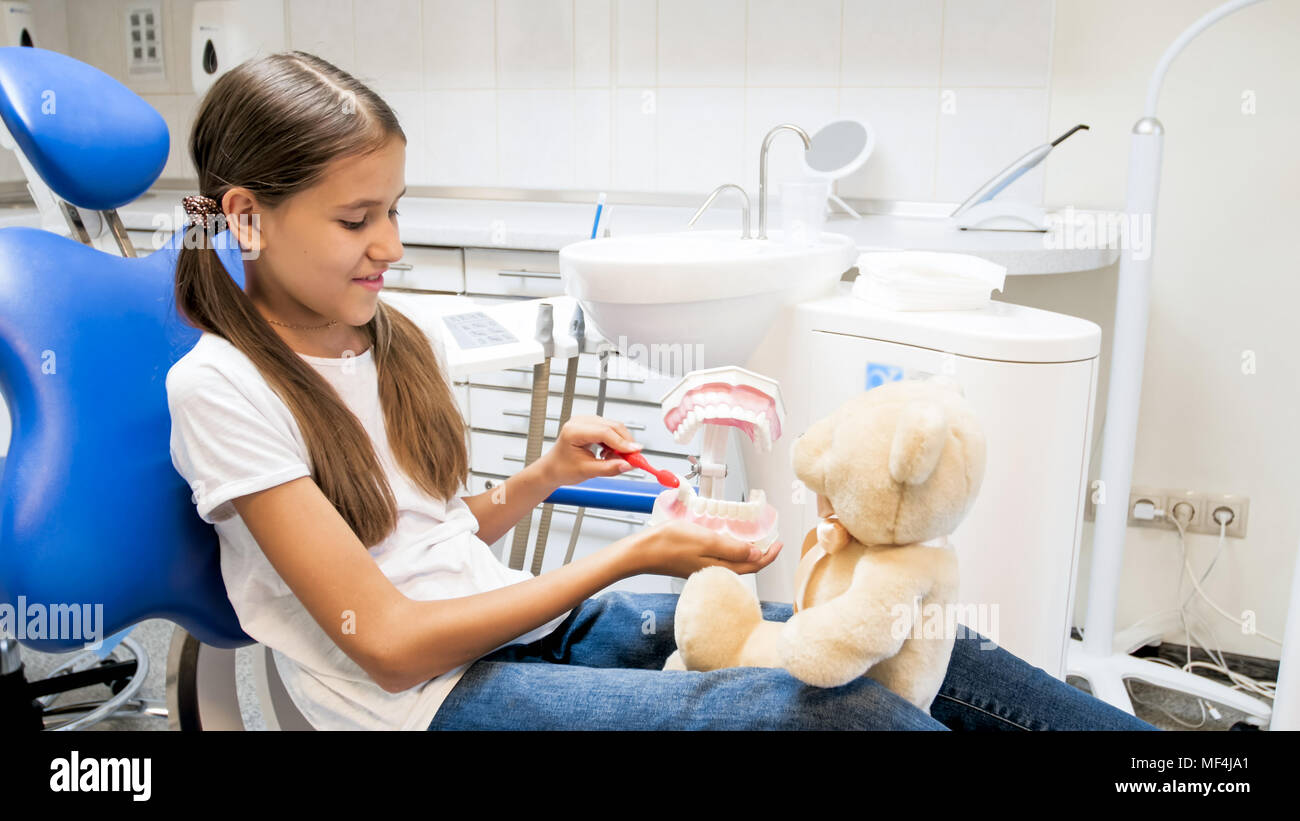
(203, 693)
(26, 705)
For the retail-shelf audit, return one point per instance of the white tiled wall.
(662, 95)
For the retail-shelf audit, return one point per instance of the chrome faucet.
(744, 214)
(762, 172)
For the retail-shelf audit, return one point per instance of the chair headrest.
(94, 141)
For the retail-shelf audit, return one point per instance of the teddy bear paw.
(716, 613)
(675, 662)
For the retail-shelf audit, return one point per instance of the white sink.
(696, 299)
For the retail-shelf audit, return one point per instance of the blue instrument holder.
(609, 493)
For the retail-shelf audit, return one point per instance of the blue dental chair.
(92, 511)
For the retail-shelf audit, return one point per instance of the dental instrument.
(600, 409)
(544, 335)
(577, 328)
(1009, 216)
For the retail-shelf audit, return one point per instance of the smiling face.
(313, 246)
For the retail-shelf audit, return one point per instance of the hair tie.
(199, 207)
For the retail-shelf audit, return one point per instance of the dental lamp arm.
(1176, 47)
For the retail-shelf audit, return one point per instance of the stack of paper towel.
(926, 280)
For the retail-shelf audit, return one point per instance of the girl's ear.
(244, 218)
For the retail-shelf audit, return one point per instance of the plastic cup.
(803, 210)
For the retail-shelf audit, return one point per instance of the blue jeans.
(601, 669)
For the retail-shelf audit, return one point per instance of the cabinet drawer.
(513, 273)
(625, 380)
(460, 390)
(507, 410)
(428, 269)
(503, 454)
(599, 529)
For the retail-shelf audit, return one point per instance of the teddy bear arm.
(837, 641)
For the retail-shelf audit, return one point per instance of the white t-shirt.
(233, 435)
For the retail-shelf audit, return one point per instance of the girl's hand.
(569, 461)
(679, 548)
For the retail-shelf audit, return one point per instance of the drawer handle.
(528, 274)
(628, 379)
(522, 414)
(401, 266)
(583, 376)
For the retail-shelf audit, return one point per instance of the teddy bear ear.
(918, 441)
(807, 450)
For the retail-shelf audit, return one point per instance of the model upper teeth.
(716, 408)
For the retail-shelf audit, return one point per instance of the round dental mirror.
(839, 149)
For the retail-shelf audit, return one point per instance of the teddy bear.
(895, 469)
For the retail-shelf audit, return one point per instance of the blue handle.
(609, 493)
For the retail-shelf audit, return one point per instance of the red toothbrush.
(635, 459)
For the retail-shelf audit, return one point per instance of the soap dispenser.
(225, 33)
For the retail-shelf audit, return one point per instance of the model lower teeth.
(753, 520)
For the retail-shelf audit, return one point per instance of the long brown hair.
(272, 125)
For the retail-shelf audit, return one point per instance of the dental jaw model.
(715, 399)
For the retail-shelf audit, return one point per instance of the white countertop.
(549, 226)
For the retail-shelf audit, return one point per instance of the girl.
(318, 432)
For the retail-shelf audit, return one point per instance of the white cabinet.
(625, 379)
(512, 273)
(429, 270)
(507, 410)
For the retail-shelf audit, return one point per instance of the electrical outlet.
(1155, 496)
(1240, 507)
(1177, 496)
